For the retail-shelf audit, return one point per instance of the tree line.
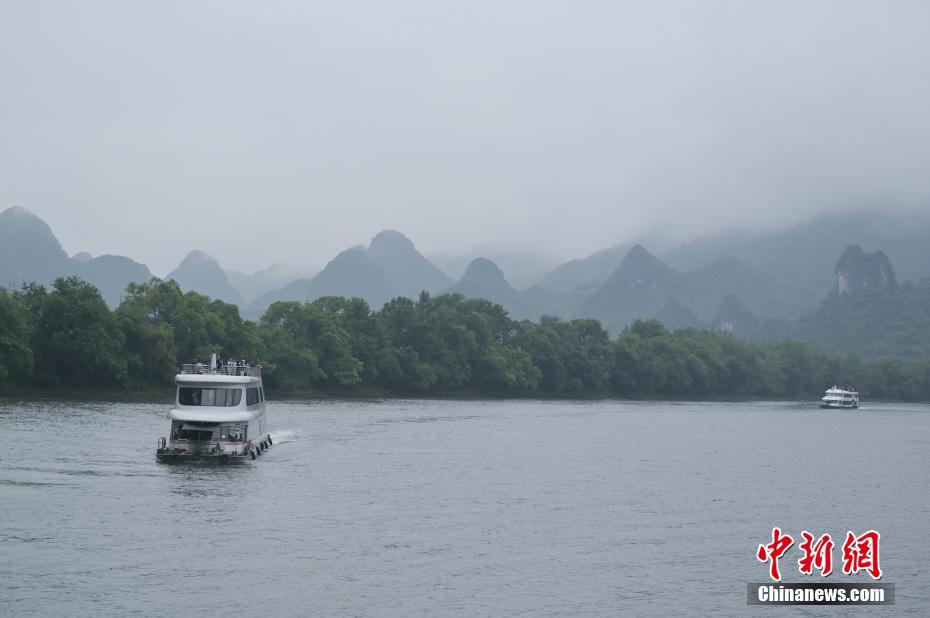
(66, 336)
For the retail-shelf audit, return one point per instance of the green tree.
(150, 351)
(76, 339)
(15, 351)
(307, 347)
(368, 337)
(165, 328)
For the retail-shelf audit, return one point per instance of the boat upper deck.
(201, 373)
(840, 392)
(225, 369)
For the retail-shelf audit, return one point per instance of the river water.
(400, 508)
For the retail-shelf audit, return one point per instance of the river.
(400, 508)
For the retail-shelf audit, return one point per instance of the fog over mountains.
(202, 273)
(30, 252)
(858, 283)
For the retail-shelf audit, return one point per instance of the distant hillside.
(734, 318)
(760, 292)
(540, 301)
(639, 288)
(769, 287)
(524, 268)
(586, 274)
(390, 266)
(29, 251)
(483, 279)
(352, 273)
(645, 287)
(111, 274)
(407, 271)
(674, 315)
(774, 275)
(253, 285)
(868, 312)
(200, 272)
(298, 290)
(802, 257)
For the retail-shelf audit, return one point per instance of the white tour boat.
(840, 398)
(219, 414)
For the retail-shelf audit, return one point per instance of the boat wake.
(283, 436)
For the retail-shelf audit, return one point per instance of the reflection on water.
(450, 508)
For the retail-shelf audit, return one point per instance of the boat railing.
(223, 370)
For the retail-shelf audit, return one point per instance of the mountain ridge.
(200, 272)
(769, 294)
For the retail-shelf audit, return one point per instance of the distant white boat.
(837, 397)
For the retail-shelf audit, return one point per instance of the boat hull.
(195, 458)
(211, 454)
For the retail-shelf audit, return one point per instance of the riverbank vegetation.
(67, 337)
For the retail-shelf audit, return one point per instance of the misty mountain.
(29, 251)
(483, 279)
(298, 290)
(868, 312)
(733, 317)
(352, 273)
(674, 315)
(524, 269)
(773, 275)
(252, 285)
(586, 273)
(390, 266)
(763, 296)
(540, 301)
(639, 288)
(200, 272)
(646, 287)
(408, 272)
(920, 291)
(801, 258)
(761, 293)
(110, 274)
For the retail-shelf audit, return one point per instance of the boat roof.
(214, 379)
(837, 389)
(206, 414)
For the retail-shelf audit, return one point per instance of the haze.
(267, 132)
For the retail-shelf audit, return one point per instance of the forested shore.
(66, 338)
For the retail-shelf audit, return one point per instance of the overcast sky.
(268, 131)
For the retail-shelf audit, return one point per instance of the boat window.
(223, 397)
(261, 393)
(233, 433)
(251, 396)
(195, 434)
